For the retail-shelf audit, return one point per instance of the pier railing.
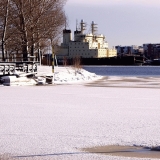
(9, 68)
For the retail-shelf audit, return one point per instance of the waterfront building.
(152, 51)
(129, 50)
(90, 45)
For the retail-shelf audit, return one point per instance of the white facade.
(112, 53)
(85, 45)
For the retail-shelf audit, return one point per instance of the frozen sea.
(56, 122)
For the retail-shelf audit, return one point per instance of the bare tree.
(77, 64)
(32, 22)
(4, 7)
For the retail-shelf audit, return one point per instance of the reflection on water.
(124, 70)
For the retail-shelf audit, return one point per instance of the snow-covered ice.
(55, 122)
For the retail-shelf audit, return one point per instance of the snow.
(55, 122)
(67, 75)
(61, 75)
(121, 81)
(70, 75)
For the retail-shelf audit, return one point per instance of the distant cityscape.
(94, 45)
(149, 50)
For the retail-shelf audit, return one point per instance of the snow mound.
(67, 75)
(44, 75)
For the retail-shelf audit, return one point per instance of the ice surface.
(55, 122)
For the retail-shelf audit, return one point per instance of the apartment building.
(129, 50)
(152, 51)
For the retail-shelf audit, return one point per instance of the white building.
(85, 45)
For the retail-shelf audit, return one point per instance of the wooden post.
(52, 59)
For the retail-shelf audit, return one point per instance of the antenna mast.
(94, 28)
(83, 26)
(76, 25)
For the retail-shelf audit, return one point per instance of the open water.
(124, 70)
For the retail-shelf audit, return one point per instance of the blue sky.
(123, 22)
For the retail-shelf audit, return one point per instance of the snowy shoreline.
(74, 76)
(61, 75)
(69, 75)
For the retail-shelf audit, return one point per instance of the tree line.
(28, 26)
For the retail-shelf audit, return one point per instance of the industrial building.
(84, 45)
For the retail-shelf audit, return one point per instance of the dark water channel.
(124, 70)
